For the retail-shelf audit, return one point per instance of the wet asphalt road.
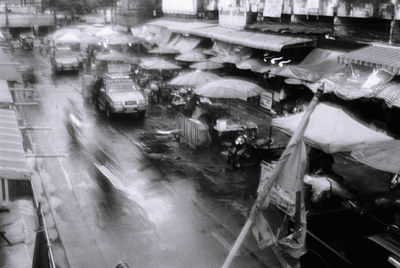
(147, 218)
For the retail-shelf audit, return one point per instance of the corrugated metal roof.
(5, 95)
(12, 156)
(390, 93)
(384, 57)
(184, 26)
(271, 42)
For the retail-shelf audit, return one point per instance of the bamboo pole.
(263, 195)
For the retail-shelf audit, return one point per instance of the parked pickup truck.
(118, 94)
(64, 59)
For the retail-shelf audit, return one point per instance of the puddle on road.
(207, 168)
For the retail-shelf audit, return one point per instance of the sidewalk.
(18, 221)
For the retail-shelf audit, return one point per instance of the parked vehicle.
(118, 94)
(247, 150)
(26, 41)
(64, 59)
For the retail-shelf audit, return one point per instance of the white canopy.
(331, 129)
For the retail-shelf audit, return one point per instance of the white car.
(118, 94)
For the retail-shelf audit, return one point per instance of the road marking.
(222, 240)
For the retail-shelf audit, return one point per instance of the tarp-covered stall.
(319, 63)
(331, 129)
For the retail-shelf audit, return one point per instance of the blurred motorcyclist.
(73, 119)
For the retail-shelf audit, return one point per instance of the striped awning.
(390, 93)
(382, 57)
(12, 156)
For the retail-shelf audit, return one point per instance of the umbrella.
(68, 38)
(115, 56)
(164, 50)
(229, 89)
(383, 156)
(206, 65)
(64, 31)
(158, 64)
(194, 78)
(90, 40)
(331, 129)
(195, 56)
(227, 59)
(250, 64)
(106, 32)
(119, 39)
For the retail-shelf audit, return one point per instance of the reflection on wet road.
(139, 214)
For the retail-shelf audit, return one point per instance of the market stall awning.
(151, 34)
(183, 26)
(354, 83)
(384, 156)
(195, 55)
(194, 78)
(207, 65)
(5, 95)
(390, 93)
(183, 43)
(316, 29)
(383, 57)
(228, 88)
(158, 64)
(251, 64)
(164, 50)
(319, 63)
(271, 42)
(331, 129)
(12, 157)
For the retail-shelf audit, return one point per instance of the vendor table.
(227, 129)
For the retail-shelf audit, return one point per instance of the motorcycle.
(247, 150)
(74, 125)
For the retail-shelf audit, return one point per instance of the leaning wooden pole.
(261, 197)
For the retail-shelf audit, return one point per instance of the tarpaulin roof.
(229, 88)
(195, 55)
(271, 42)
(319, 63)
(291, 28)
(331, 129)
(354, 83)
(158, 64)
(207, 65)
(383, 57)
(250, 64)
(5, 95)
(194, 78)
(255, 40)
(183, 43)
(12, 157)
(151, 34)
(384, 156)
(184, 26)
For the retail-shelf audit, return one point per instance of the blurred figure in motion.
(107, 171)
(73, 121)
